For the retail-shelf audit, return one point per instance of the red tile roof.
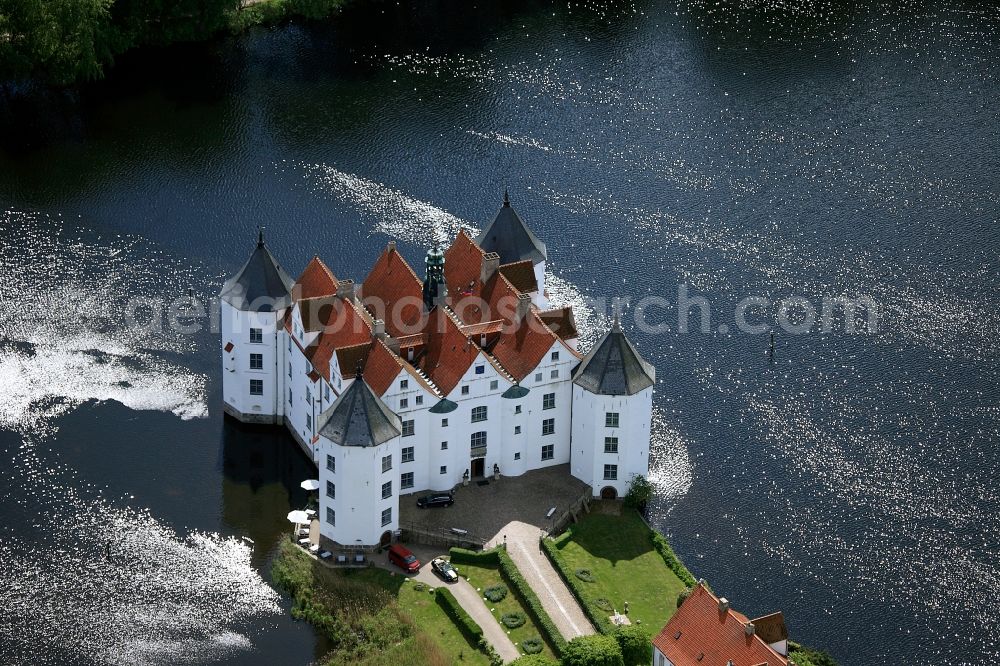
(699, 634)
(316, 280)
(381, 368)
(393, 293)
(448, 354)
(344, 327)
(522, 275)
(462, 264)
(520, 349)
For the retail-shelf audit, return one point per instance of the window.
(387, 463)
(256, 361)
(517, 430)
(326, 390)
(554, 356)
(386, 516)
(549, 401)
(517, 409)
(386, 491)
(611, 445)
(444, 423)
(548, 426)
(611, 420)
(331, 490)
(408, 428)
(406, 480)
(404, 403)
(419, 400)
(554, 374)
(309, 395)
(289, 396)
(309, 421)
(407, 454)
(404, 383)
(478, 414)
(289, 368)
(256, 387)
(494, 385)
(465, 390)
(478, 441)
(480, 369)
(331, 516)
(289, 345)
(444, 446)
(611, 472)
(256, 335)
(538, 376)
(548, 452)
(331, 463)
(444, 469)
(517, 456)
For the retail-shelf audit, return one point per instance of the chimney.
(523, 306)
(379, 329)
(749, 628)
(491, 262)
(391, 247)
(393, 344)
(723, 605)
(345, 289)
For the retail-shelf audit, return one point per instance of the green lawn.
(617, 550)
(483, 577)
(400, 621)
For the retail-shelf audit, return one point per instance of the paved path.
(557, 600)
(466, 596)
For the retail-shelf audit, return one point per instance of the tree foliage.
(640, 491)
(635, 644)
(595, 650)
(534, 660)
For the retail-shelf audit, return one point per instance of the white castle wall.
(237, 373)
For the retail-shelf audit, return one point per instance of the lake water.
(773, 149)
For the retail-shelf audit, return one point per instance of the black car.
(437, 499)
(443, 568)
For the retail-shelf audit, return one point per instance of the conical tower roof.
(359, 418)
(511, 238)
(261, 285)
(614, 367)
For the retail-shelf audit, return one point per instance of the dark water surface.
(789, 149)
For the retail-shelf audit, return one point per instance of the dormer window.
(404, 384)
(480, 369)
(555, 356)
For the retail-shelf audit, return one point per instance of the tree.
(534, 660)
(596, 650)
(635, 644)
(59, 41)
(640, 491)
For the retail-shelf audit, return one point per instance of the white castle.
(401, 385)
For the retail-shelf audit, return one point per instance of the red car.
(403, 558)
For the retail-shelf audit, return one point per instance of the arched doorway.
(386, 539)
(609, 492)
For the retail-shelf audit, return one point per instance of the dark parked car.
(437, 499)
(403, 558)
(443, 568)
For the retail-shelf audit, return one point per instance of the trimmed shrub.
(586, 575)
(597, 611)
(670, 559)
(469, 627)
(513, 620)
(486, 558)
(532, 658)
(495, 593)
(596, 650)
(682, 597)
(532, 645)
(516, 581)
(635, 644)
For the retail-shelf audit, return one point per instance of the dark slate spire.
(261, 285)
(511, 238)
(359, 418)
(434, 285)
(614, 367)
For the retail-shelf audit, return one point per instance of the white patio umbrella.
(298, 517)
(310, 484)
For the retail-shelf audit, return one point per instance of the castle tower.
(435, 288)
(612, 408)
(510, 237)
(359, 460)
(253, 304)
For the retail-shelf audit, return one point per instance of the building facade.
(401, 384)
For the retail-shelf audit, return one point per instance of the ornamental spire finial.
(260, 236)
(506, 198)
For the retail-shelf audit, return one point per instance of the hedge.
(516, 581)
(486, 558)
(598, 618)
(635, 644)
(596, 650)
(670, 558)
(469, 627)
(534, 660)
